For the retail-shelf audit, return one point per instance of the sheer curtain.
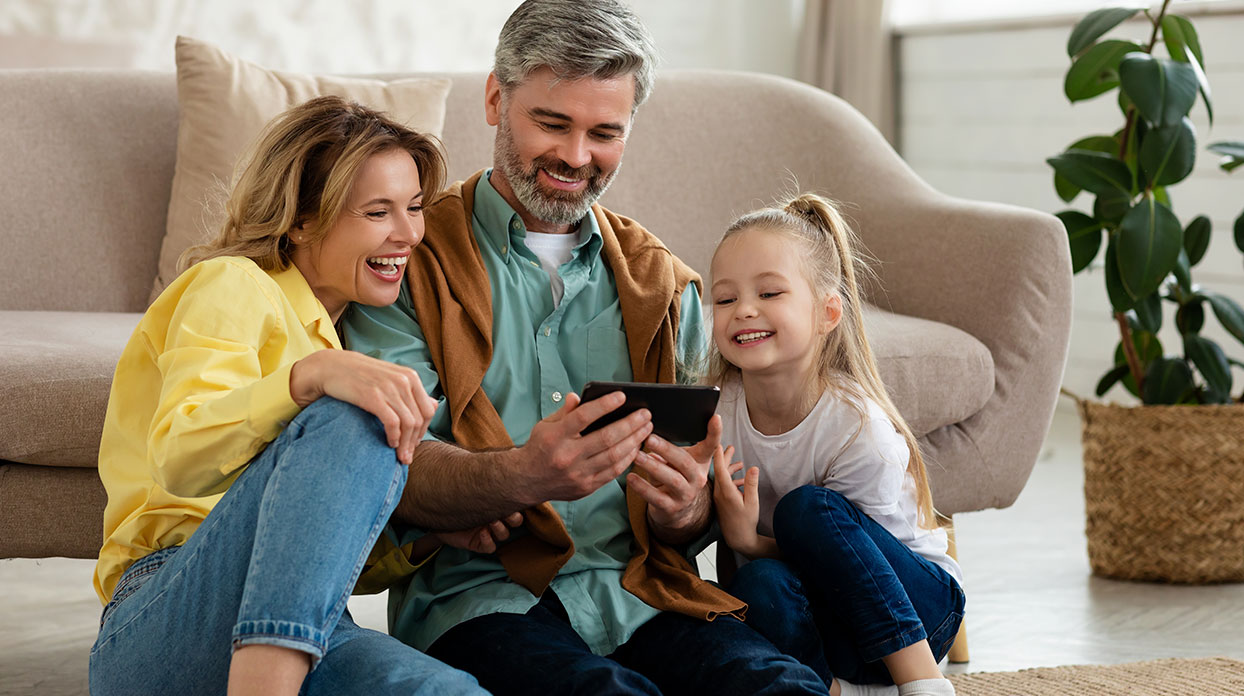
(844, 48)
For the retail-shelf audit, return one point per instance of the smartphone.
(680, 412)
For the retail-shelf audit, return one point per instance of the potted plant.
(1164, 481)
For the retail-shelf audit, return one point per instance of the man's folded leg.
(683, 655)
(536, 654)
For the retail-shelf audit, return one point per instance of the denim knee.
(762, 578)
(807, 507)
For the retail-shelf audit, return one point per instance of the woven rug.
(1209, 676)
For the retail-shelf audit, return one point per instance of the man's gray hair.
(603, 39)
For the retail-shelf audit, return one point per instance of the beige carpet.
(1174, 677)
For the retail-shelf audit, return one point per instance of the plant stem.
(1125, 329)
(1157, 22)
(1129, 352)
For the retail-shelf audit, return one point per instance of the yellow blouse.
(201, 388)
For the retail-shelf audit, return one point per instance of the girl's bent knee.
(807, 508)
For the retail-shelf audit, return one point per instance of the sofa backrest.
(88, 161)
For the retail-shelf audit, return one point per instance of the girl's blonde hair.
(831, 266)
(301, 171)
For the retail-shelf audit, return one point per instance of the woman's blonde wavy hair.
(831, 266)
(300, 172)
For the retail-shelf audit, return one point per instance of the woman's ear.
(298, 233)
(833, 313)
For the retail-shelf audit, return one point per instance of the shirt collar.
(310, 311)
(500, 224)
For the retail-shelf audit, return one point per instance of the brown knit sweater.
(453, 302)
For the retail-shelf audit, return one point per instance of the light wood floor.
(1031, 599)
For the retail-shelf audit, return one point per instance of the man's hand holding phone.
(561, 462)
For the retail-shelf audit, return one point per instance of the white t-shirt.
(870, 469)
(553, 250)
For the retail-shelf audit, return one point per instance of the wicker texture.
(1212, 676)
(1164, 492)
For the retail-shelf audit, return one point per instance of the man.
(523, 290)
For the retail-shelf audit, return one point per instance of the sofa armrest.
(1002, 274)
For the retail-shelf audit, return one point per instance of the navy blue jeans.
(848, 593)
(539, 653)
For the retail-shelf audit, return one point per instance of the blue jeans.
(540, 654)
(272, 564)
(848, 593)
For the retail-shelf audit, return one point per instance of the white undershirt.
(869, 469)
(553, 250)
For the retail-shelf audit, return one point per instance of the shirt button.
(557, 397)
(505, 248)
(547, 331)
(516, 225)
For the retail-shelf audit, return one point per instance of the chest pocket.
(607, 358)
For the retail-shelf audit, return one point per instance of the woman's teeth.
(388, 265)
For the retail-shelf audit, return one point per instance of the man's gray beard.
(553, 209)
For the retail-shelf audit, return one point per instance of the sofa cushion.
(936, 374)
(54, 381)
(224, 105)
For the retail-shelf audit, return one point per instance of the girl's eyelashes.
(415, 208)
(770, 295)
(724, 301)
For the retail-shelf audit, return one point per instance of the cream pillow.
(225, 103)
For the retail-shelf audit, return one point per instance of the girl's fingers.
(751, 494)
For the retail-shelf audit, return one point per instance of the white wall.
(365, 36)
(982, 107)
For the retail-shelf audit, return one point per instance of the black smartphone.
(680, 412)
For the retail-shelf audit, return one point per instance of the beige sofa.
(976, 297)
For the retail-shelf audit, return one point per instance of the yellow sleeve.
(224, 392)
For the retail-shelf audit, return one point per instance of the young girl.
(844, 567)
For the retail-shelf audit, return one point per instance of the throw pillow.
(225, 102)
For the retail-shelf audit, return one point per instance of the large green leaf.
(1084, 236)
(1167, 381)
(1066, 190)
(1094, 25)
(1163, 90)
(1150, 239)
(1168, 153)
(1120, 301)
(1111, 207)
(1211, 362)
(1228, 312)
(1183, 45)
(1232, 152)
(1097, 71)
(1196, 238)
(1093, 171)
(1183, 271)
(1149, 313)
(1190, 318)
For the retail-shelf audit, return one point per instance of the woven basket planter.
(1164, 492)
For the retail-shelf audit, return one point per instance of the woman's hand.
(738, 512)
(390, 392)
(482, 539)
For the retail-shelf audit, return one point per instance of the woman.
(251, 463)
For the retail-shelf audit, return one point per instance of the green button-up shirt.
(540, 354)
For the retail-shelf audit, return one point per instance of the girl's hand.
(482, 539)
(738, 512)
(390, 392)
